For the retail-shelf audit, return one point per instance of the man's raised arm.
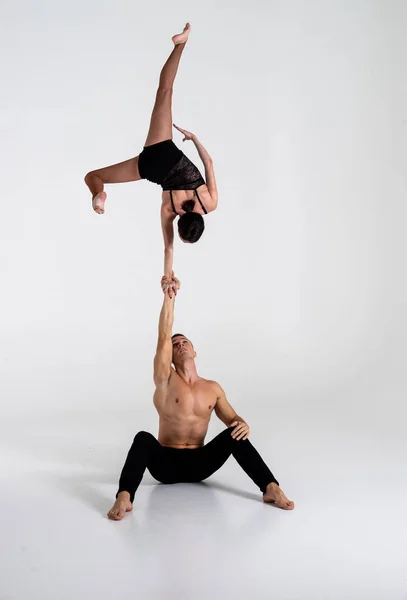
(163, 356)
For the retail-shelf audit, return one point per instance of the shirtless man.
(185, 402)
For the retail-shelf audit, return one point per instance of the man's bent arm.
(224, 411)
(163, 356)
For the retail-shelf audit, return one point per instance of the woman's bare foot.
(181, 38)
(120, 507)
(98, 202)
(274, 495)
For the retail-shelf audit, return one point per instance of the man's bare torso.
(185, 411)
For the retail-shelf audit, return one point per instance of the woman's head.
(191, 224)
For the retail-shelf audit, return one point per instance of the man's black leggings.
(182, 465)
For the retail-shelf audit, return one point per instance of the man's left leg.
(213, 455)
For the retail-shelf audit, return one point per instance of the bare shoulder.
(166, 209)
(215, 387)
(206, 198)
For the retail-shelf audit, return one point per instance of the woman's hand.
(170, 284)
(187, 134)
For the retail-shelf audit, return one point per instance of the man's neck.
(187, 371)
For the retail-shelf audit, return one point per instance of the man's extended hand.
(170, 285)
(241, 430)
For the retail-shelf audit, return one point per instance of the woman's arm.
(203, 154)
(209, 172)
(167, 225)
(208, 164)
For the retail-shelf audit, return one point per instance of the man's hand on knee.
(241, 430)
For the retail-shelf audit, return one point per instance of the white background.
(295, 297)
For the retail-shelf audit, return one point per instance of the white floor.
(346, 539)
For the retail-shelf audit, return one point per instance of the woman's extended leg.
(161, 117)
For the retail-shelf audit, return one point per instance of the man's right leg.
(144, 447)
(164, 464)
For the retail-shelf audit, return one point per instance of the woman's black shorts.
(156, 161)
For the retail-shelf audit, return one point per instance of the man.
(185, 402)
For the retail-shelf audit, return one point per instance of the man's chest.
(184, 402)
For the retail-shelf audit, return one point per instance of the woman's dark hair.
(188, 206)
(190, 225)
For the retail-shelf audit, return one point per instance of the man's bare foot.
(274, 495)
(181, 38)
(98, 202)
(120, 507)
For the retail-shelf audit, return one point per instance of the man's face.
(182, 349)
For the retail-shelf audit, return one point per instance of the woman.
(185, 193)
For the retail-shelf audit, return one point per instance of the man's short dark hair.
(181, 335)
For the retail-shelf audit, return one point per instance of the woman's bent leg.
(119, 173)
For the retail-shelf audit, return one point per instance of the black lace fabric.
(183, 176)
